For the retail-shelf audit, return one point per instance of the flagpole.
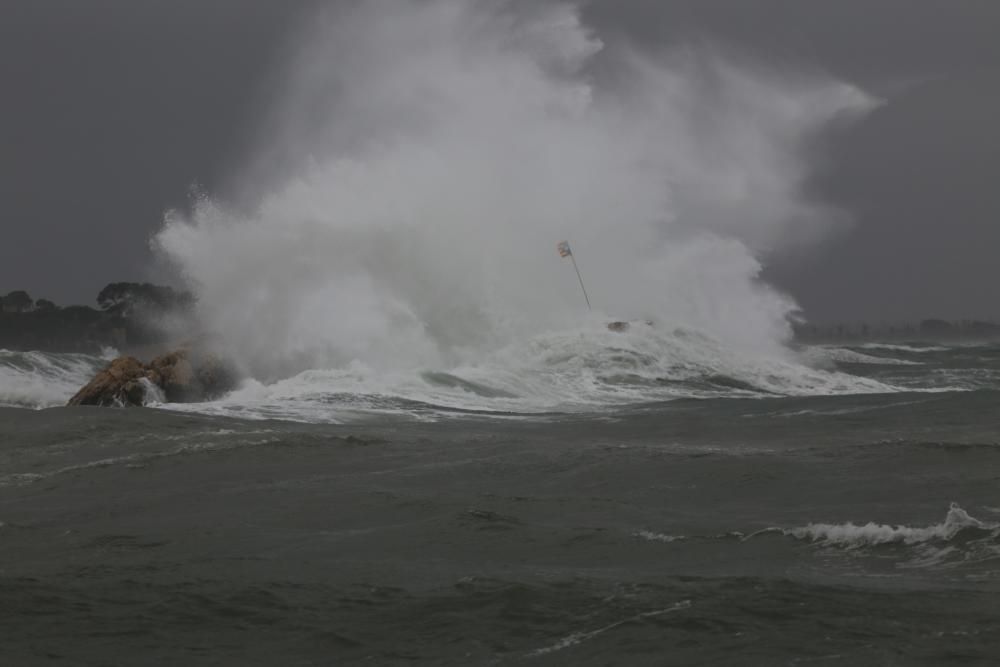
(578, 277)
(564, 251)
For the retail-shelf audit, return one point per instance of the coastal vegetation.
(132, 314)
(127, 314)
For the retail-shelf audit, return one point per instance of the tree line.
(125, 315)
(117, 298)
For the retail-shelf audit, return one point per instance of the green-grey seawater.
(855, 529)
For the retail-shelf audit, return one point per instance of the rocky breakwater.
(177, 377)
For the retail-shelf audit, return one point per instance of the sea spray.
(423, 158)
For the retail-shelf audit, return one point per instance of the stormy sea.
(438, 454)
(845, 512)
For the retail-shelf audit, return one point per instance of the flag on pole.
(564, 251)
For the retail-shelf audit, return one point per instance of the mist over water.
(428, 156)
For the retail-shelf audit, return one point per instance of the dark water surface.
(695, 532)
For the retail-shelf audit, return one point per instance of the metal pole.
(578, 277)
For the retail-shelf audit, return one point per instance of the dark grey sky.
(111, 109)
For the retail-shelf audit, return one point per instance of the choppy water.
(581, 370)
(440, 459)
(716, 522)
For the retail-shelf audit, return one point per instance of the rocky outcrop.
(176, 377)
(123, 382)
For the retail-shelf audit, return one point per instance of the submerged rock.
(180, 376)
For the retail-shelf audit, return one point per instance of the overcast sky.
(111, 109)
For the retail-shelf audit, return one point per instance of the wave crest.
(44, 380)
(957, 522)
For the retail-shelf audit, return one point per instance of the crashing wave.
(853, 536)
(959, 540)
(433, 154)
(581, 369)
(43, 380)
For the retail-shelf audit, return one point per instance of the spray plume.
(427, 156)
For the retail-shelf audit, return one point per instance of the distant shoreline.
(126, 320)
(82, 329)
(78, 332)
(925, 331)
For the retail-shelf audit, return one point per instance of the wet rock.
(121, 383)
(175, 376)
(182, 376)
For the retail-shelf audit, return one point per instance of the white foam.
(853, 536)
(581, 369)
(905, 348)
(960, 540)
(42, 380)
(579, 637)
(152, 394)
(822, 354)
(650, 536)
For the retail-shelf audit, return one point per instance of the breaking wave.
(391, 246)
(585, 369)
(395, 234)
(852, 536)
(959, 539)
(42, 380)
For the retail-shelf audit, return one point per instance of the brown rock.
(120, 384)
(181, 377)
(176, 377)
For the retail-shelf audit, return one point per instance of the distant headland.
(128, 316)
